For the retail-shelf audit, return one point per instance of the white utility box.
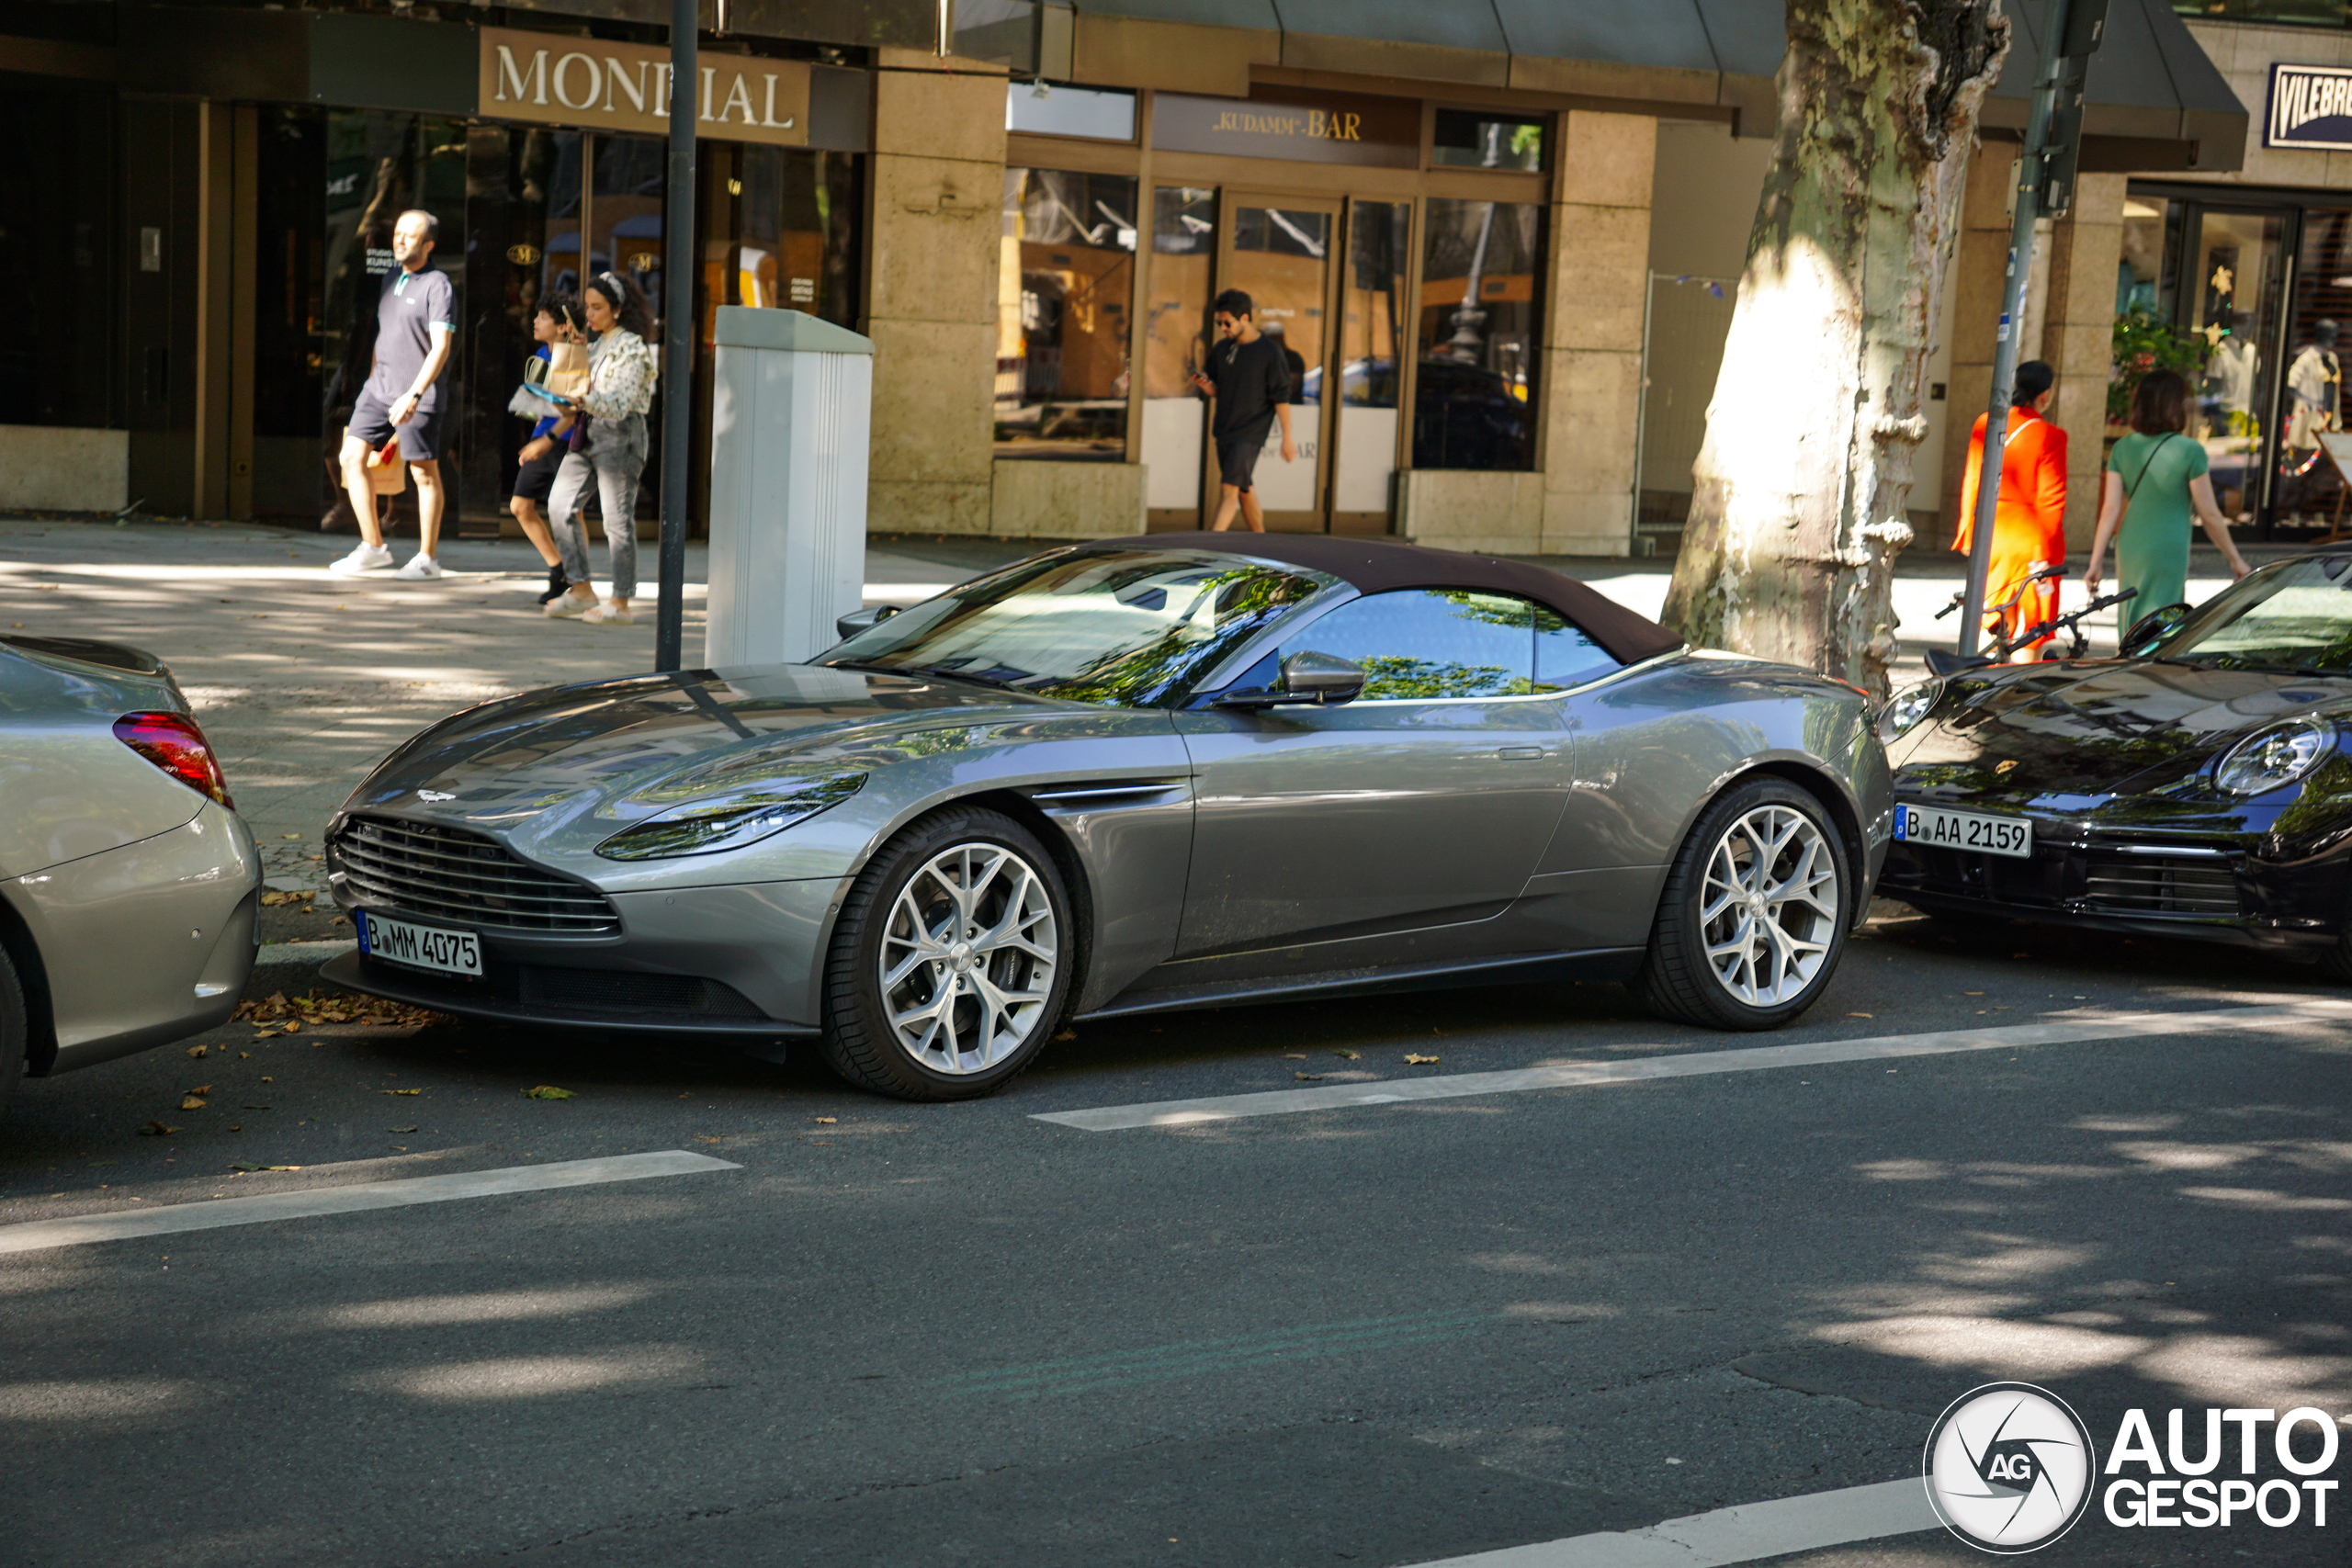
(792, 400)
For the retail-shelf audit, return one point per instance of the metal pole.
(2004, 349)
(677, 332)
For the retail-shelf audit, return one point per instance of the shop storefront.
(1497, 265)
(527, 210)
(1394, 247)
(2245, 284)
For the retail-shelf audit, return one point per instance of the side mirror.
(2151, 629)
(1321, 678)
(1316, 678)
(856, 621)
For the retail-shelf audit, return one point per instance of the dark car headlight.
(1906, 708)
(729, 820)
(2274, 757)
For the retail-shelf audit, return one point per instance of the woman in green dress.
(2156, 479)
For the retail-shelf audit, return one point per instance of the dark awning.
(2156, 102)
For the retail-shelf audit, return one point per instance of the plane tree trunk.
(1799, 493)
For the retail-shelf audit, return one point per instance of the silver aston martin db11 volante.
(1172, 772)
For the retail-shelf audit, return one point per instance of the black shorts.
(535, 481)
(1237, 456)
(371, 421)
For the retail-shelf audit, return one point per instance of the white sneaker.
(420, 568)
(364, 557)
(605, 615)
(565, 606)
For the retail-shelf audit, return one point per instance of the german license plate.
(420, 947)
(1935, 827)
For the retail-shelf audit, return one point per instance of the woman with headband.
(606, 433)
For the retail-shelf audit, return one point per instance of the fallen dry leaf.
(1067, 1034)
(1347, 1056)
(399, 1091)
(1294, 1056)
(1412, 1061)
(191, 1103)
(700, 1139)
(1308, 1077)
(201, 1088)
(400, 1128)
(826, 1120)
(266, 1079)
(196, 1053)
(1861, 1015)
(544, 1092)
(156, 1130)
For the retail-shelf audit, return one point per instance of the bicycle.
(1942, 662)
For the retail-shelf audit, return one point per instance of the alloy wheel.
(967, 958)
(1769, 906)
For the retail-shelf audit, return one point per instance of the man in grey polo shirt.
(416, 328)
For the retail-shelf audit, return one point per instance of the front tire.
(951, 962)
(1753, 918)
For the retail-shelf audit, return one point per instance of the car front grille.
(2161, 884)
(432, 870)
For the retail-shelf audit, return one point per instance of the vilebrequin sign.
(588, 84)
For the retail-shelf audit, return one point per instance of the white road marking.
(1744, 1534)
(316, 1200)
(2064, 1030)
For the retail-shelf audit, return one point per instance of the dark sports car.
(1131, 775)
(2200, 787)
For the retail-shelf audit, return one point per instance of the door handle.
(1522, 753)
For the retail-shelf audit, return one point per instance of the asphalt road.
(1380, 1334)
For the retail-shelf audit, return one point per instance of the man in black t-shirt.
(1248, 377)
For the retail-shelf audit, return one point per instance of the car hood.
(2107, 728)
(553, 754)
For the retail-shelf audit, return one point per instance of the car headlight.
(2274, 757)
(1906, 708)
(729, 820)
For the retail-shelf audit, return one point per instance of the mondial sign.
(2310, 105)
(596, 85)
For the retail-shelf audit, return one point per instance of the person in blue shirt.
(416, 328)
(558, 320)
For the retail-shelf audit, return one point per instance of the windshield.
(1133, 628)
(2293, 616)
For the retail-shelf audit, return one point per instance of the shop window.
(1064, 297)
(57, 249)
(1176, 343)
(779, 230)
(2311, 489)
(2310, 13)
(1041, 108)
(1475, 393)
(378, 165)
(290, 313)
(1465, 140)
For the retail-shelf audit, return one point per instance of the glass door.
(2236, 286)
(1374, 304)
(1280, 252)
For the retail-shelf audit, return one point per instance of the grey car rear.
(129, 884)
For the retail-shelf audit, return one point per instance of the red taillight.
(173, 743)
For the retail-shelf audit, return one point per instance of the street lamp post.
(677, 332)
(2052, 140)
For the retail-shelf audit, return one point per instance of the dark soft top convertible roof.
(1374, 566)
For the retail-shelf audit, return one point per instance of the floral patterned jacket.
(620, 375)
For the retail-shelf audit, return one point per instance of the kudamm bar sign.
(594, 86)
(2310, 105)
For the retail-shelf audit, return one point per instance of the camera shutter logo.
(2009, 1468)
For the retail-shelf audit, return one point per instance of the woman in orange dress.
(2030, 518)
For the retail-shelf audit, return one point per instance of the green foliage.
(2145, 341)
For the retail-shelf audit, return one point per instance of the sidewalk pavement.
(303, 678)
